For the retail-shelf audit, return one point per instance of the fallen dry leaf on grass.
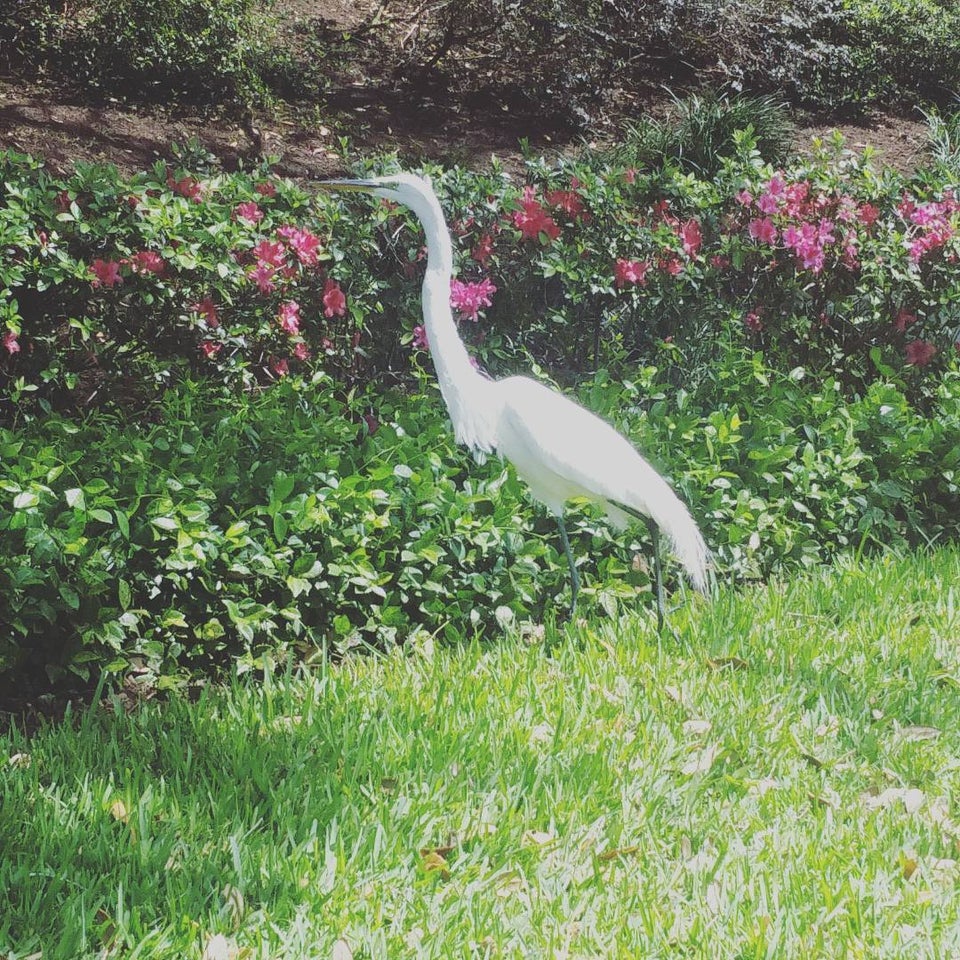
(341, 951)
(916, 732)
(218, 947)
(538, 838)
(701, 762)
(432, 861)
(912, 799)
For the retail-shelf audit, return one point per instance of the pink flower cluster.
(630, 272)
(334, 302)
(689, 233)
(271, 263)
(919, 353)
(932, 225)
(806, 223)
(277, 260)
(469, 298)
(568, 201)
(248, 212)
(187, 187)
(106, 273)
(532, 220)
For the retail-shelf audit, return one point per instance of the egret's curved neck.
(465, 392)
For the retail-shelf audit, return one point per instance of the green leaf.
(75, 498)
(124, 594)
(69, 596)
(25, 500)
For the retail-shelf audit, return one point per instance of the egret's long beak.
(359, 186)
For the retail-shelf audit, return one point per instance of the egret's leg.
(574, 576)
(657, 572)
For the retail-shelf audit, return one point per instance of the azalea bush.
(119, 288)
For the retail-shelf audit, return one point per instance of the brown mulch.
(38, 120)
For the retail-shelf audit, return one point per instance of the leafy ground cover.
(779, 780)
(294, 520)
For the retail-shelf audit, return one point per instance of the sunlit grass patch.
(778, 781)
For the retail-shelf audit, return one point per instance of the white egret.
(559, 448)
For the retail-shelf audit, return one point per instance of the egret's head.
(406, 188)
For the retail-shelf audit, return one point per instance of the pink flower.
(266, 189)
(289, 317)
(719, 262)
(334, 302)
(147, 261)
(777, 186)
(919, 353)
(903, 319)
(301, 351)
(868, 214)
(918, 247)
(762, 229)
(186, 187)
(210, 348)
(630, 271)
(671, 265)
(846, 209)
(744, 198)
(483, 250)
(470, 298)
(420, 341)
(306, 246)
(906, 206)
(208, 310)
(630, 175)
(532, 220)
(768, 203)
(106, 273)
(692, 237)
(280, 366)
(270, 251)
(753, 322)
(851, 252)
(248, 211)
(661, 211)
(10, 342)
(303, 243)
(567, 201)
(263, 275)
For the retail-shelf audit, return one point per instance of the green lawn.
(781, 780)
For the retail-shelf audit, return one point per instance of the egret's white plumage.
(557, 446)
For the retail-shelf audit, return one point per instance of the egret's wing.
(563, 450)
(554, 441)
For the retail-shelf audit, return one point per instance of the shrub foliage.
(242, 472)
(562, 55)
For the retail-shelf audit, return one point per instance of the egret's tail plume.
(656, 500)
(686, 541)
